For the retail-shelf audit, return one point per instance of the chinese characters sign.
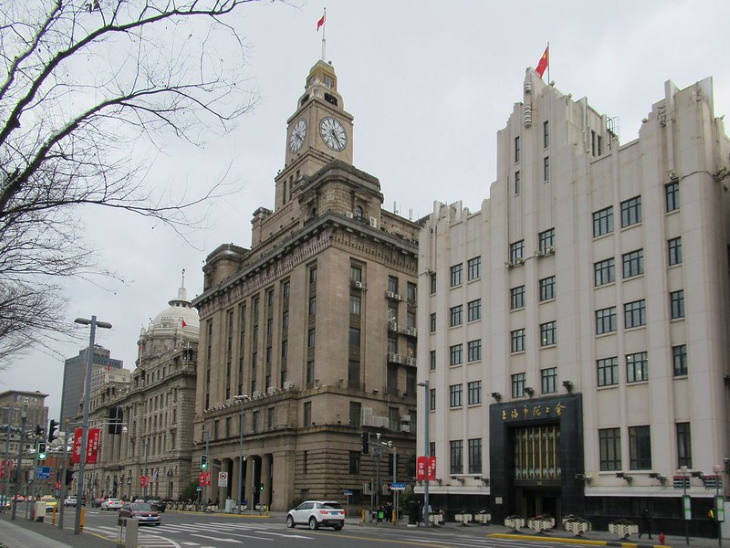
(426, 468)
(93, 439)
(536, 411)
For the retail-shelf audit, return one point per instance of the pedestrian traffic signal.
(52, 427)
(69, 476)
(261, 486)
(204, 462)
(365, 443)
(42, 451)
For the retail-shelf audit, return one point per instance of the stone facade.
(309, 336)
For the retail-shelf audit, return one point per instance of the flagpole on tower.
(323, 23)
(548, 67)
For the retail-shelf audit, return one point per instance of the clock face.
(333, 134)
(298, 133)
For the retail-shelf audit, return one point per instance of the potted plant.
(515, 522)
(541, 522)
(576, 525)
(623, 528)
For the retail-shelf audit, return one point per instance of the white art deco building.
(574, 330)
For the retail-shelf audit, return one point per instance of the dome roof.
(178, 314)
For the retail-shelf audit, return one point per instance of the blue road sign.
(43, 472)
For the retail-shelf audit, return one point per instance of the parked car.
(112, 504)
(70, 501)
(157, 504)
(141, 511)
(316, 514)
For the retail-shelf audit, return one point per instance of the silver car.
(316, 514)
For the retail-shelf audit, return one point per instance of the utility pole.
(18, 466)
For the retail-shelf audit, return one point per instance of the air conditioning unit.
(271, 390)
(394, 296)
(405, 427)
(367, 488)
(373, 222)
(411, 331)
(256, 394)
(393, 325)
(349, 215)
(411, 362)
(288, 385)
(357, 284)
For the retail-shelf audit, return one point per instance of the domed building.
(147, 446)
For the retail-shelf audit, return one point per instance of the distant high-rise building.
(74, 371)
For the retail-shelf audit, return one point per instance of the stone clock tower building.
(308, 338)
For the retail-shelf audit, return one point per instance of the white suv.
(316, 514)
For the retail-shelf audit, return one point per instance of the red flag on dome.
(544, 61)
(183, 323)
(321, 21)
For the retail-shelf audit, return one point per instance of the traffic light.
(42, 450)
(365, 443)
(52, 427)
(38, 430)
(203, 462)
(261, 486)
(69, 476)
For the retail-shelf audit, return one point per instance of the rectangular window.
(548, 334)
(679, 360)
(674, 251)
(606, 320)
(411, 292)
(516, 251)
(633, 263)
(474, 350)
(475, 456)
(676, 302)
(393, 284)
(455, 354)
(354, 467)
(671, 195)
(307, 415)
(432, 399)
(474, 268)
(631, 212)
(546, 168)
(546, 241)
(456, 457)
(312, 307)
(547, 288)
(456, 274)
(607, 369)
(602, 221)
(355, 305)
(311, 338)
(432, 322)
(604, 272)
(518, 385)
(549, 380)
(455, 394)
(684, 445)
(639, 447)
(432, 282)
(517, 340)
(518, 183)
(637, 367)
(609, 449)
(474, 392)
(634, 314)
(354, 337)
(455, 315)
(474, 310)
(517, 297)
(355, 413)
(545, 134)
(517, 149)
(432, 360)
(356, 273)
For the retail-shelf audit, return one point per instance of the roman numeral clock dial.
(332, 133)
(298, 133)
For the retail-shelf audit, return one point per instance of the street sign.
(43, 472)
(347, 493)
(222, 479)
(397, 486)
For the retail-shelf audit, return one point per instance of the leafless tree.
(88, 86)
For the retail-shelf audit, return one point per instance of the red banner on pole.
(92, 445)
(144, 481)
(431, 469)
(421, 468)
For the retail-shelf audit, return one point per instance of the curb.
(577, 540)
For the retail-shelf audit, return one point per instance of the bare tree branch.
(85, 83)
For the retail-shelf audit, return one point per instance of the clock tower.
(318, 132)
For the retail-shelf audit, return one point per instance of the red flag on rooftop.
(320, 23)
(183, 323)
(543, 62)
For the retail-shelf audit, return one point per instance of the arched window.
(358, 212)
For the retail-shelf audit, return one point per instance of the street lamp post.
(23, 419)
(93, 323)
(426, 448)
(240, 399)
(719, 510)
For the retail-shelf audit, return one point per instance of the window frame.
(606, 320)
(640, 447)
(456, 275)
(474, 350)
(671, 196)
(609, 449)
(635, 314)
(633, 263)
(637, 367)
(456, 354)
(549, 380)
(517, 297)
(518, 383)
(474, 310)
(631, 212)
(680, 364)
(474, 268)
(548, 334)
(546, 241)
(674, 251)
(607, 373)
(456, 395)
(517, 251)
(676, 304)
(603, 222)
(456, 315)
(604, 272)
(517, 340)
(547, 288)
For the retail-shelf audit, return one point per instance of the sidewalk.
(24, 533)
(596, 538)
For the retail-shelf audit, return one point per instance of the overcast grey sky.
(429, 84)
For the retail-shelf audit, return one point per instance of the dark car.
(159, 505)
(141, 511)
